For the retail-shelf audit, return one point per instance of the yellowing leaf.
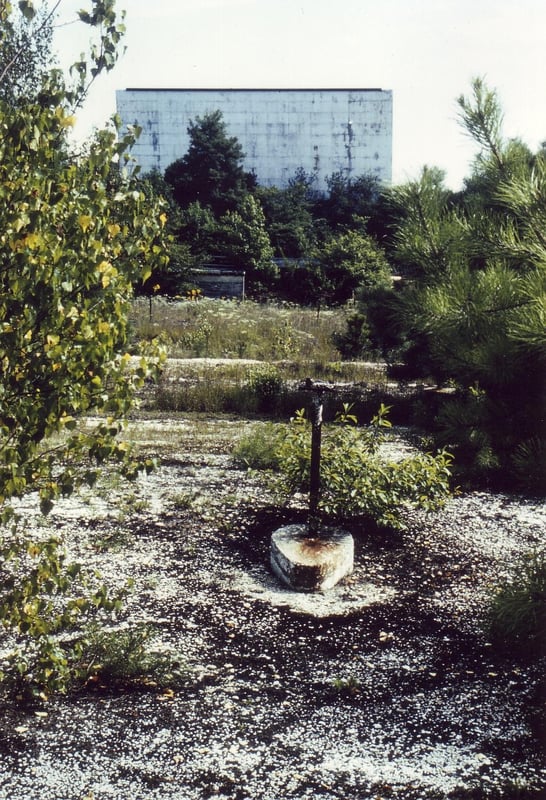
(108, 272)
(167, 694)
(84, 221)
(32, 241)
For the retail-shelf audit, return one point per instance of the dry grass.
(231, 329)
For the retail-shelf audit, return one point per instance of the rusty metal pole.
(314, 478)
(317, 388)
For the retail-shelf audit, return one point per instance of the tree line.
(218, 211)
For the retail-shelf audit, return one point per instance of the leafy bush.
(44, 595)
(266, 386)
(356, 481)
(517, 616)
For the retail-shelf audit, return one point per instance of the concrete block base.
(311, 563)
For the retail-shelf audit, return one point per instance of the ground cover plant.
(356, 480)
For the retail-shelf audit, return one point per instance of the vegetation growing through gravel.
(218, 677)
(404, 658)
(356, 479)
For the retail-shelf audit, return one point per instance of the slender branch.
(20, 52)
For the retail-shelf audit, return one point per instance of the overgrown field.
(231, 329)
(225, 356)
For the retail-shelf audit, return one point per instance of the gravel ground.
(384, 687)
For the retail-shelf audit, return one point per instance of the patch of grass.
(170, 435)
(347, 686)
(130, 504)
(184, 501)
(517, 615)
(259, 448)
(253, 388)
(243, 389)
(108, 539)
(128, 658)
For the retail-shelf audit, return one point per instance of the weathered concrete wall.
(220, 283)
(280, 130)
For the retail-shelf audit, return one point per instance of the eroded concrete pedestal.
(311, 563)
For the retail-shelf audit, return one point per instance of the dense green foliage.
(75, 234)
(344, 262)
(211, 172)
(69, 254)
(348, 200)
(25, 52)
(356, 479)
(223, 217)
(216, 215)
(472, 310)
(290, 216)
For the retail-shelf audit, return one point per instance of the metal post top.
(310, 385)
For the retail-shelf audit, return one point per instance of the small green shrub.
(184, 501)
(517, 616)
(259, 449)
(347, 686)
(355, 480)
(266, 385)
(128, 656)
(43, 596)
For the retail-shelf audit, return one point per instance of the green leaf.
(27, 9)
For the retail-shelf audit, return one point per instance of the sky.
(426, 51)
